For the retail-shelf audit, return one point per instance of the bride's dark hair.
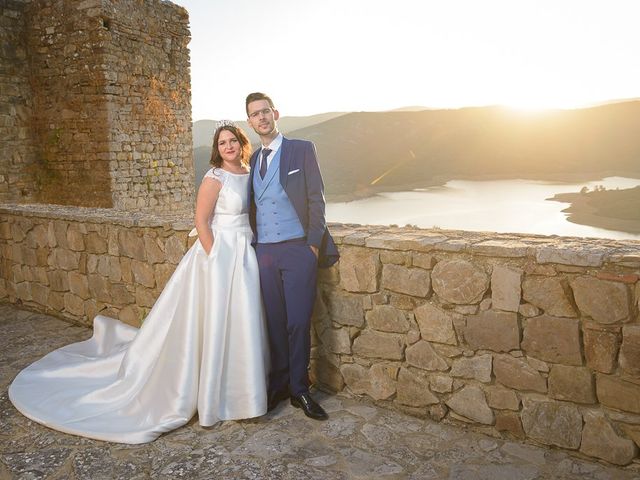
(245, 145)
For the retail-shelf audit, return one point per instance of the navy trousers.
(288, 272)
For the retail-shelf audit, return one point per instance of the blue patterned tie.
(263, 164)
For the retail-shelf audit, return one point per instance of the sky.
(370, 55)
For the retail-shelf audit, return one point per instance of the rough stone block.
(175, 247)
(346, 309)
(73, 304)
(459, 282)
(630, 350)
(379, 382)
(509, 422)
(552, 423)
(422, 355)
(79, 285)
(572, 384)
(617, 393)
(373, 344)
(605, 301)
(385, 318)
(336, 340)
(441, 383)
(600, 348)
(143, 273)
(471, 403)
(552, 295)
(477, 368)
(553, 339)
(131, 245)
(502, 398)
(413, 390)
(516, 373)
(600, 440)
(410, 281)
(359, 270)
(490, 330)
(436, 325)
(505, 288)
(575, 254)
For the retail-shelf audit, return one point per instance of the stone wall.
(527, 336)
(103, 99)
(17, 152)
(531, 337)
(76, 262)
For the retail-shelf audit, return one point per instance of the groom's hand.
(314, 249)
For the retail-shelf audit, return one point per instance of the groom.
(286, 199)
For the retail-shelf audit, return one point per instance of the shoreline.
(581, 212)
(441, 180)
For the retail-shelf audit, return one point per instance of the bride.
(201, 348)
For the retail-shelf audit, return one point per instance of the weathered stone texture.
(551, 294)
(379, 382)
(409, 281)
(436, 325)
(346, 309)
(359, 270)
(617, 393)
(413, 390)
(601, 441)
(505, 288)
(605, 301)
(630, 350)
(490, 330)
(552, 423)
(600, 348)
(385, 318)
(477, 368)
(553, 339)
(373, 344)
(422, 355)
(509, 422)
(459, 282)
(516, 373)
(502, 398)
(471, 403)
(573, 384)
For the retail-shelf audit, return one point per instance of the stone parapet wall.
(77, 262)
(531, 337)
(95, 103)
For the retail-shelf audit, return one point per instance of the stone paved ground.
(359, 441)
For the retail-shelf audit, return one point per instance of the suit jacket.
(302, 182)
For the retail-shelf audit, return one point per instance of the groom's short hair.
(252, 97)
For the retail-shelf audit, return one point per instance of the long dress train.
(203, 347)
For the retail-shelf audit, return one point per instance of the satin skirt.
(202, 348)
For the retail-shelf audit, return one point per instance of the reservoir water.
(514, 206)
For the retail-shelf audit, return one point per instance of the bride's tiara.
(225, 123)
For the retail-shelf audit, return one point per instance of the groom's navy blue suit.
(288, 268)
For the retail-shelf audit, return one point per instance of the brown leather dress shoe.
(309, 406)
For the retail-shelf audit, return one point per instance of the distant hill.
(611, 209)
(397, 150)
(203, 129)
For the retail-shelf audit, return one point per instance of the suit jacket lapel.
(285, 162)
(252, 164)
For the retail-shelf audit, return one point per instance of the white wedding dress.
(203, 347)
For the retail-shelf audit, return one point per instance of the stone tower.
(95, 104)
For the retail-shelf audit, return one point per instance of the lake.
(509, 206)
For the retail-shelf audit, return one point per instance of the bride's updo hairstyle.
(245, 144)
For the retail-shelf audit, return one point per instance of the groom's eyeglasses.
(256, 114)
